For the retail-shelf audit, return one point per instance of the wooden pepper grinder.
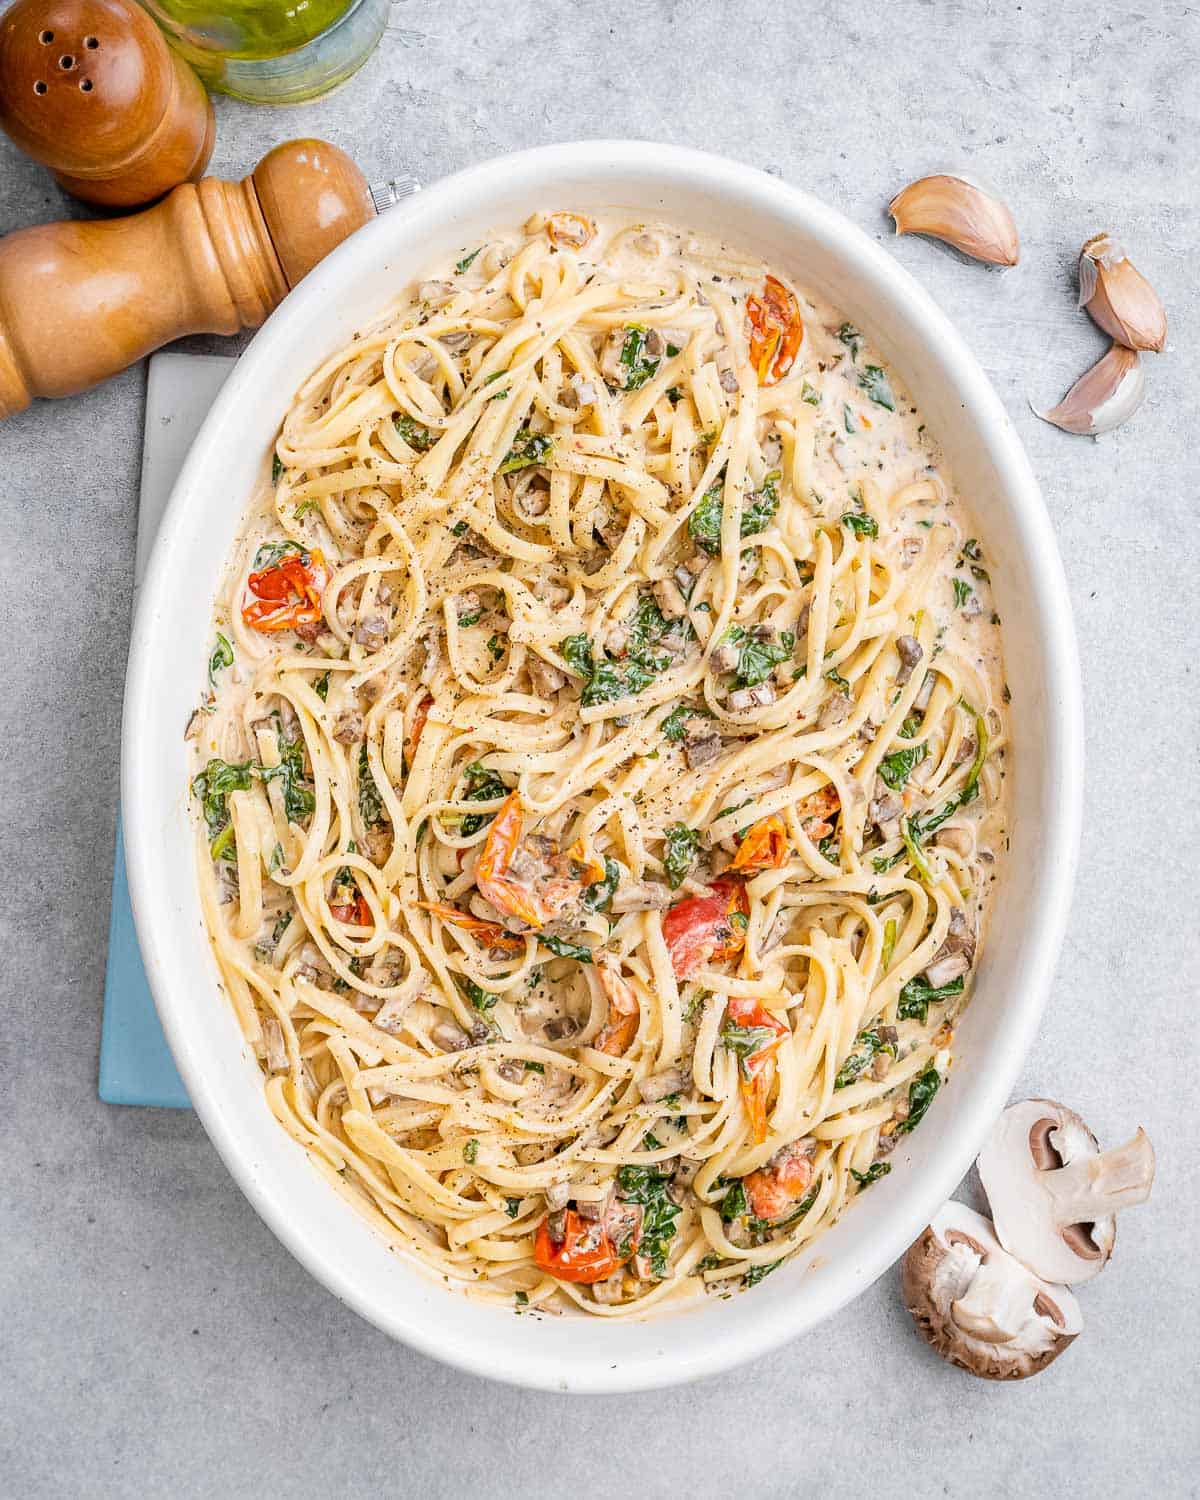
(80, 301)
(91, 90)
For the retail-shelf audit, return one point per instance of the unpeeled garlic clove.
(1102, 399)
(959, 211)
(1118, 296)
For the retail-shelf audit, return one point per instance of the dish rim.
(788, 206)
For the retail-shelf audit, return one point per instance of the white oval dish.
(171, 638)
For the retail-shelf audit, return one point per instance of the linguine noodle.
(601, 778)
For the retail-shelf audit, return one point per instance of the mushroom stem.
(995, 1307)
(1096, 1186)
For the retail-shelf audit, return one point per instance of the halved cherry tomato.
(288, 593)
(413, 738)
(574, 872)
(587, 1252)
(623, 1012)
(706, 929)
(491, 873)
(764, 847)
(570, 231)
(815, 811)
(757, 1069)
(490, 934)
(785, 1179)
(776, 331)
(354, 914)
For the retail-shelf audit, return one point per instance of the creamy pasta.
(599, 789)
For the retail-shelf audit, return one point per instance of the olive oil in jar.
(272, 51)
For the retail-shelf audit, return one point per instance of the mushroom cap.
(977, 1306)
(1054, 1194)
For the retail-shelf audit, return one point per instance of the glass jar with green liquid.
(272, 51)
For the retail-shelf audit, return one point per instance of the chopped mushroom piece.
(372, 632)
(448, 1036)
(885, 806)
(835, 711)
(725, 658)
(661, 1085)
(910, 654)
(978, 1306)
(546, 679)
(1054, 1194)
(754, 697)
(277, 1060)
(349, 727)
(642, 895)
(670, 601)
(956, 955)
(701, 743)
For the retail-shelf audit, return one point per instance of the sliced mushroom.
(1054, 1194)
(980, 1308)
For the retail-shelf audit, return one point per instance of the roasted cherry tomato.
(490, 934)
(764, 847)
(354, 913)
(776, 331)
(586, 1253)
(413, 738)
(816, 811)
(288, 593)
(706, 929)
(491, 873)
(623, 1012)
(757, 1068)
(780, 1185)
(569, 231)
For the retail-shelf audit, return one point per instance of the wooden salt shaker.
(91, 90)
(81, 300)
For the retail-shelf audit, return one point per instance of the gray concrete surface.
(157, 1340)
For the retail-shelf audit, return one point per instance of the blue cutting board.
(135, 1062)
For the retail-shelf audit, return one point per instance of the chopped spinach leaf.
(321, 688)
(370, 803)
(874, 1172)
(276, 468)
(464, 264)
(271, 553)
(850, 336)
(756, 1273)
(918, 995)
(528, 448)
(860, 523)
(636, 368)
(648, 1187)
(757, 659)
(222, 656)
(875, 382)
(921, 1093)
(512, 1207)
(413, 433)
(564, 949)
(482, 1000)
(897, 767)
(471, 1152)
(962, 591)
(598, 897)
(680, 849)
(858, 1062)
(483, 785)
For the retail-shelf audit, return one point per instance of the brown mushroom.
(979, 1307)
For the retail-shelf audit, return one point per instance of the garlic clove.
(959, 211)
(1110, 392)
(1118, 296)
